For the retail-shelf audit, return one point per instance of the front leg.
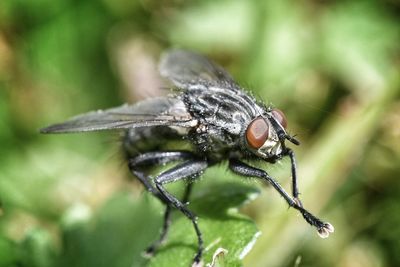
(295, 190)
(324, 229)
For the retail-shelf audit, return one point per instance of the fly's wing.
(152, 112)
(185, 68)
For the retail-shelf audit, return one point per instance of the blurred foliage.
(332, 66)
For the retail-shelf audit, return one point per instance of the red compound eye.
(257, 132)
(280, 117)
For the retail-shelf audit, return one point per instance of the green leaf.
(221, 225)
(121, 230)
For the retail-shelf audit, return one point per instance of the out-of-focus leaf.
(211, 27)
(8, 253)
(352, 49)
(37, 249)
(115, 236)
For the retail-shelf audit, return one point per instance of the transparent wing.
(184, 67)
(151, 112)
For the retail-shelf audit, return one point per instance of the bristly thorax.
(223, 115)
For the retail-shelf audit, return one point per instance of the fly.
(219, 120)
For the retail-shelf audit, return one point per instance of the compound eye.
(280, 117)
(257, 132)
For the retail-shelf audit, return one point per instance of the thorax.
(222, 116)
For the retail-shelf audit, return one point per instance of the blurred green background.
(332, 66)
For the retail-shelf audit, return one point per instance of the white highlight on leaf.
(249, 246)
(216, 241)
(78, 213)
(298, 261)
(220, 252)
(197, 264)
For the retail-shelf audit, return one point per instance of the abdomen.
(145, 139)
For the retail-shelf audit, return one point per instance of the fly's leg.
(295, 190)
(164, 230)
(188, 169)
(149, 160)
(186, 195)
(323, 228)
(167, 222)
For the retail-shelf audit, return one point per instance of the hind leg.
(150, 159)
(189, 169)
(167, 222)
